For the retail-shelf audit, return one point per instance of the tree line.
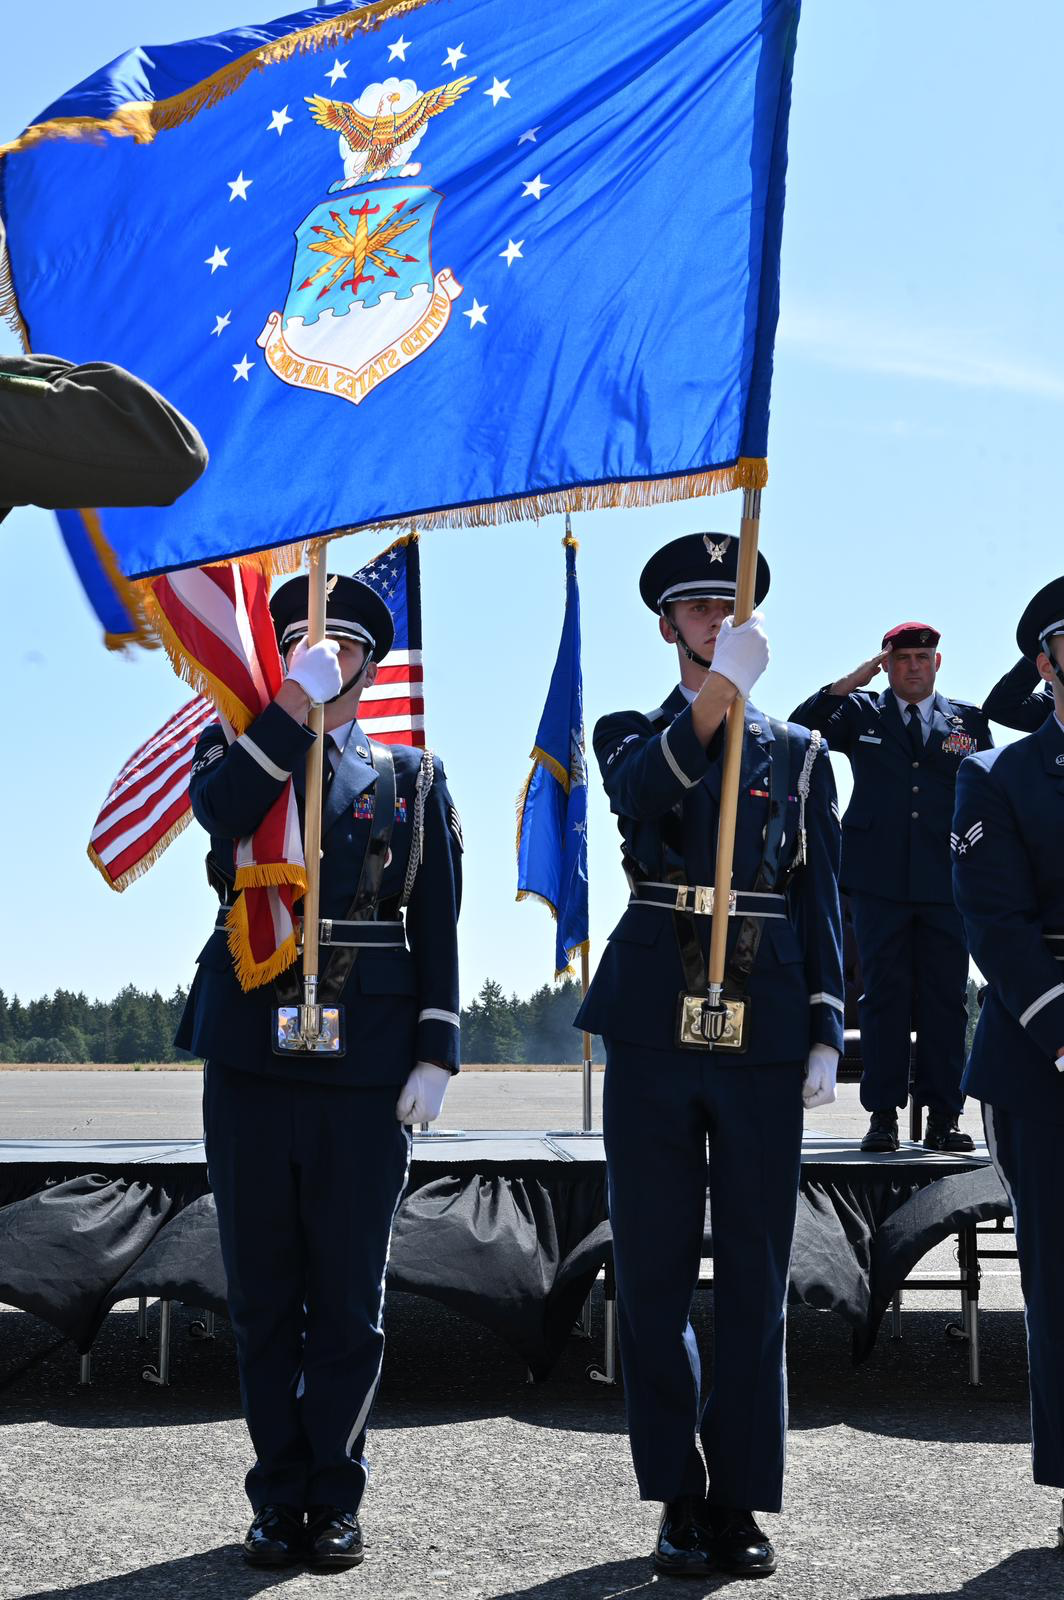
(136, 1027)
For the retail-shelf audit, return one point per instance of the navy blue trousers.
(661, 1110)
(307, 1178)
(1026, 1153)
(914, 970)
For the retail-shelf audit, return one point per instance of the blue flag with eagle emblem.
(414, 262)
(552, 809)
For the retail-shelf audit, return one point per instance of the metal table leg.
(85, 1369)
(895, 1315)
(160, 1373)
(607, 1373)
(142, 1317)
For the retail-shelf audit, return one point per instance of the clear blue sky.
(915, 471)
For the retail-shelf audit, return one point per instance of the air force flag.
(421, 262)
(552, 810)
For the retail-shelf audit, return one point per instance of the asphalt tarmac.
(902, 1480)
(166, 1105)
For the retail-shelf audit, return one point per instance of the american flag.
(147, 806)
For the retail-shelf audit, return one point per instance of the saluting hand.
(860, 675)
(316, 668)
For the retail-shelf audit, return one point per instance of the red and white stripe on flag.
(147, 805)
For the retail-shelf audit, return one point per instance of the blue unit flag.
(412, 261)
(552, 810)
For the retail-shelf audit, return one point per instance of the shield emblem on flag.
(364, 299)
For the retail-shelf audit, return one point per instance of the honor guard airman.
(666, 1097)
(91, 435)
(1008, 877)
(308, 1154)
(904, 746)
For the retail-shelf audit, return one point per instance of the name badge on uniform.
(868, 738)
(958, 744)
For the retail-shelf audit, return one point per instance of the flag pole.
(310, 1018)
(749, 529)
(585, 965)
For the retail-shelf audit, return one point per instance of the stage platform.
(508, 1227)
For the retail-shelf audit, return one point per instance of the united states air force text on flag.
(552, 809)
(405, 261)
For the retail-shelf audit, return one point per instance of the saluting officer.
(1008, 876)
(904, 748)
(91, 435)
(1020, 699)
(663, 1100)
(308, 1155)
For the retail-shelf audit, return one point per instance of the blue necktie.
(916, 731)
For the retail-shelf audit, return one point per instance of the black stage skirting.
(510, 1229)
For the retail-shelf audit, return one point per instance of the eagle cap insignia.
(364, 299)
(717, 552)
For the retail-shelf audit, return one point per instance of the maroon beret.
(911, 636)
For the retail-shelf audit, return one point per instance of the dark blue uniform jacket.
(1021, 699)
(1008, 878)
(401, 1004)
(895, 830)
(664, 788)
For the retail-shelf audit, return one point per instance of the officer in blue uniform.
(1020, 699)
(1008, 877)
(664, 1100)
(308, 1155)
(904, 748)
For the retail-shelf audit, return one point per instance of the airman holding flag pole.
(728, 821)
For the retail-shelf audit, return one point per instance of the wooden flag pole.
(733, 751)
(316, 601)
(585, 966)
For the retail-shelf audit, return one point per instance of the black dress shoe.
(275, 1538)
(738, 1545)
(942, 1133)
(334, 1538)
(882, 1131)
(682, 1547)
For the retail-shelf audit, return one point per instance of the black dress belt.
(697, 898)
(348, 935)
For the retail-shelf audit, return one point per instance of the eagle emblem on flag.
(364, 299)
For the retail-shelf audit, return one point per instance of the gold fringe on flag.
(140, 867)
(127, 592)
(194, 673)
(749, 472)
(252, 974)
(142, 120)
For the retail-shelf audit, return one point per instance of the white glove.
(422, 1095)
(741, 653)
(820, 1072)
(316, 669)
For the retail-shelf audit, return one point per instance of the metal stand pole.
(585, 964)
(142, 1317)
(733, 750)
(85, 1369)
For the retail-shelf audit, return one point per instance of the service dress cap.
(697, 566)
(352, 611)
(911, 636)
(1043, 618)
(92, 435)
